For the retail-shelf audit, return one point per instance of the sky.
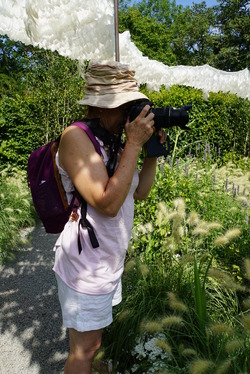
(209, 3)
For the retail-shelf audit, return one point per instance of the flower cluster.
(152, 352)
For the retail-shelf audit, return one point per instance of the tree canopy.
(195, 35)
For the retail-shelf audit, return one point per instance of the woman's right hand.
(140, 129)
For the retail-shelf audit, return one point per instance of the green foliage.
(217, 194)
(16, 212)
(152, 38)
(40, 105)
(40, 90)
(232, 43)
(192, 35)
(186, 290)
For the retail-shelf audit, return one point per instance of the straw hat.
(110, 84)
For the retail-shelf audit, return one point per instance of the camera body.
(165, 118)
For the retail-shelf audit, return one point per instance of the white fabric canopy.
(85, 30)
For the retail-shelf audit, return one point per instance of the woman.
(89, 283)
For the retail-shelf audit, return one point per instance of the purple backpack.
(48, 194)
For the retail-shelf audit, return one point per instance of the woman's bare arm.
(88, 173)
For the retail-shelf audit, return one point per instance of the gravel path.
(32, 339)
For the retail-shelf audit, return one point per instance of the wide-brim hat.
(110, 84)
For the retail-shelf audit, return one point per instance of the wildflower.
(242, 199)
(226, 185)
(171, 215)
(179, 204)
(176, 304)
(189, 352)
(246, 303)
(23, 241)
(152, 327)
(130, 265)
(9, 210)
(26, 202)
(171, 321)
(12, 219)
(187, 259)
(160, 219)
(193, 219)
(162, 208)
(200, 366)
(200, 231)
(180, 231)
(162, 214)
(224, 367)
(162, 344)
(247, 268)
(205, 156)
(233, 345)
(142, 229)
(170, 243)
(124, 315)
(221, 328)
(246, 322)
(232, 234)
(214, 226)
(225, 279)
(149, 227)
(144, 269)
(220, 241)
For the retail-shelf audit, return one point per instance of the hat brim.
(112, 100)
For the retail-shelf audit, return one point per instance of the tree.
(196, 35)
(151, 37)
(39, 98)
(192, 39)
(161, 11)
(232, 43)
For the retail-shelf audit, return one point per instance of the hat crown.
(110, 84)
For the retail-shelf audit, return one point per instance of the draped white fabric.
(77, 29)
(85, 30)
(204, 77)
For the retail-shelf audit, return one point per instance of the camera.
(166, 118)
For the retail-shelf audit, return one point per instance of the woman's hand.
(140, 129)
(162, 135)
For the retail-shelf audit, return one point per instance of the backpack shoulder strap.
(91, 136)
(83, 221)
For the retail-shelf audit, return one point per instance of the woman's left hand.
(162, 135)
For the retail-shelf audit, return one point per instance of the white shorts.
(84, 312)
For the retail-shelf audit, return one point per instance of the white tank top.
(95, 271)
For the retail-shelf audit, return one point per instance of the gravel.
(32, 339)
